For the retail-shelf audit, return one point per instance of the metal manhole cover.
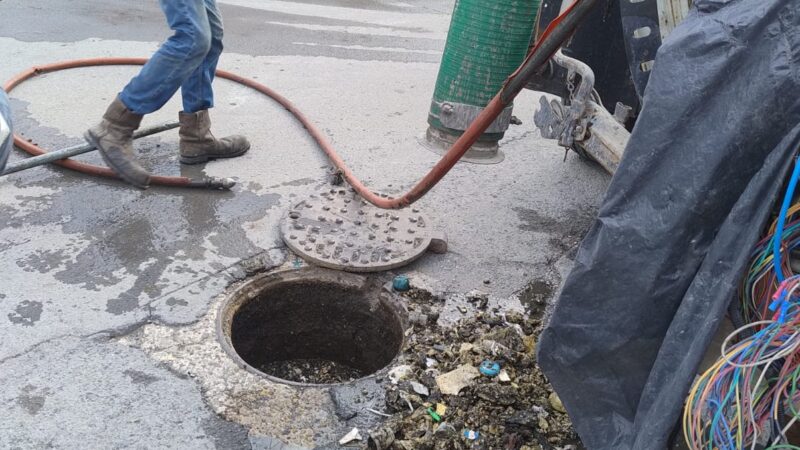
(338, 230)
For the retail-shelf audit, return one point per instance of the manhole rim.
(239, 294)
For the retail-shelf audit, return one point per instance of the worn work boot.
(113, 136)
(198, 145)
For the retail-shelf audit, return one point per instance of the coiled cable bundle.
(749, 399)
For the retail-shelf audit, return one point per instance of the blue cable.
(776, 239)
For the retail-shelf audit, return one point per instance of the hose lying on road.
(551, 40)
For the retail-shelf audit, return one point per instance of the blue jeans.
(7, 144)
(187, 60)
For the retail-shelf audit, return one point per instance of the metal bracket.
(459, 116)
(605, 137)
(564, 121)
(576, 120)
(581, 123)
(549, 118)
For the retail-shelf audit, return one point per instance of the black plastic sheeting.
(703, 168)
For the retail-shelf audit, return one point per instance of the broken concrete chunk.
(350, 437)
(453, 382)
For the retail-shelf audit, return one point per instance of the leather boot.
(113, 137)
(198, 145)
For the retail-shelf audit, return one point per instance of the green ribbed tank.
(487, 41)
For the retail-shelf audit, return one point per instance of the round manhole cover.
(339, 230)
(312, 326)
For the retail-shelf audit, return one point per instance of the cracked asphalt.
(107, 293)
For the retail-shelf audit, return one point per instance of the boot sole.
(91, 139)
(191, 160)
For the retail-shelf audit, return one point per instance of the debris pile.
(314, 371)
(471, 386)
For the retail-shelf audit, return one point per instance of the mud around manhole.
(312, 326)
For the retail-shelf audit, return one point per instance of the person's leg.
(198, 144)
(177, 59)
(197, 91)
(156, 83)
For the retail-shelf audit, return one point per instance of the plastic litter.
(375, 411)
(401, 283)
(490, 368)
(352, 436)
(434, 415)
(472, 435)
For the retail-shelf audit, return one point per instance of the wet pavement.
(108, 294)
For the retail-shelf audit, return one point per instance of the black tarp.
(703, 168)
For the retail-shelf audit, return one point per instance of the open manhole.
(312, 326)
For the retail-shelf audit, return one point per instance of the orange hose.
(89, 169)
(437, 173)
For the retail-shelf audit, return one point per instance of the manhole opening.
(313, 327)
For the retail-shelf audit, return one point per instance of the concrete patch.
(26, 313)
(32, 399)
(301, 417)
